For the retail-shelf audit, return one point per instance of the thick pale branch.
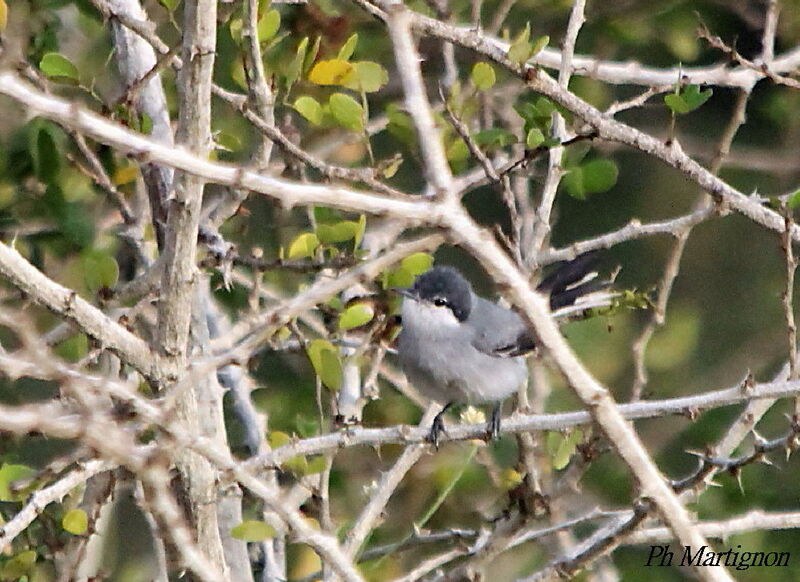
(289, 193)
(66, 302)
(404, 434)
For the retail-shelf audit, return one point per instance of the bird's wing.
(499, 332)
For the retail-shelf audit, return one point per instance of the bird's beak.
(406, 292)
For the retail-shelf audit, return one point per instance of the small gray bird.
(458, 347)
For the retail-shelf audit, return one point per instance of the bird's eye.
(439, 302)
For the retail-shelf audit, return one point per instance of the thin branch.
(543, 227)
(672, 267)
(417, 104)
(752, 521)
(634, 230)
(50, 494)
(388, 484)
(404, 434)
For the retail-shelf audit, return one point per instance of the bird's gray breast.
(443, 363)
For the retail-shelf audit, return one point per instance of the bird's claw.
(437, 428)
(493, 427)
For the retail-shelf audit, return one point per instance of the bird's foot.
(437, 427)
(493, 427)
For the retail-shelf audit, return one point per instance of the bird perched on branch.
(457, 347)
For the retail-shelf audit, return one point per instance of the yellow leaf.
(125, 175)
(3, 14)
(305, 245)
(331, 72)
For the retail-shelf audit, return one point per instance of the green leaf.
(599, 176)
(235, 28)
(591, 177)
(520, 49)
(362, 227)
(297, 465)
(75, 522)
(367, 76)
(400, 125)
(100, 270)
(316, 465)
(18, 566)
(573, 182)
(356, 315)
(325, 360)
(10, 473)
(563, 447)
(225, 141)
(687, 99)
(417, 263)
(348, 47)
(295, 67)
(339, 232)
(794, 200)
(311, 55)
(309, 108)
(495, 137)
(331, 72)
(390, 169)
(268, 25)
(534, 139)
(304, 246)
(536, 114)
(170, 5)
(347, 111)
(59, 68)
(399, 277)
(483, 76)
(539, 44)
(694, 97)
(676, 103)
(278, 438)
(74, 348)
(45, 153)
(253, 531)
(457, 151)
(145, 124)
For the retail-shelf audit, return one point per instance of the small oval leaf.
(75, 522)
(268, 25)
(326, 363)
(347, 111)
(348, 47)
(309, 108)
(18, 566)
(483, 76)
(304, 246)
(253, 531)
(356, 315)
(521, 49)
(59, 68)
(417, 263)
(367, 76)
(599, 176)
(331, 72)
(534, 139)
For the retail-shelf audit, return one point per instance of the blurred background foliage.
(724, 319)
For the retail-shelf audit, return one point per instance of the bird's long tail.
(577, 284)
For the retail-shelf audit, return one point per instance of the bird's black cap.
(448, 286)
